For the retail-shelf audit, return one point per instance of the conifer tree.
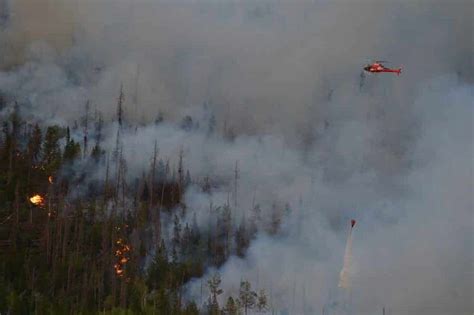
(231, 307)
(214, 290)
(247, 297)
(242, 240)
(71, 149)
(51, 150)
(34, 144)
(176, 239)
(262, 303)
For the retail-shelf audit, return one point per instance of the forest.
(103, 250)
(236, 157)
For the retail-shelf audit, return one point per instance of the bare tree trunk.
(106, 182)
(236, 178)
(80, 235)
(65, 240)
(14, 231)
(152, 179)
(155, 216)
(117, 179)
(111, 256)
(69, 273)
(32, 279)
(56, 252)
(10, 160)
(100, 280)
(47, 233)
(158, 215)
(86, 129)
(84, 289)
(124, 187)
(123, 293)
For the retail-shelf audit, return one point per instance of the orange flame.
(37, 200)
(121, 254)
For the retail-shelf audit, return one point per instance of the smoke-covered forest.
(104, 248)
(214, 157)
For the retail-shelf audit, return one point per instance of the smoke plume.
(274, 89)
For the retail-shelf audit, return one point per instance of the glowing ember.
(37, 200)
(50, 179)
(121, 253)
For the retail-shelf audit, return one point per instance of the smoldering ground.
(393, 152)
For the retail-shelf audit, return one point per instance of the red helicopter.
(378, 66)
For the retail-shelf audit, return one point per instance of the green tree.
(247, 297)
(34, 144)
(176, 240)
(97, 153)
(214, 283)
(51, 149)
(242, 240)
(231, 307)
(159, 269)
(72, 149)
(262, 301)
(191, 309)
